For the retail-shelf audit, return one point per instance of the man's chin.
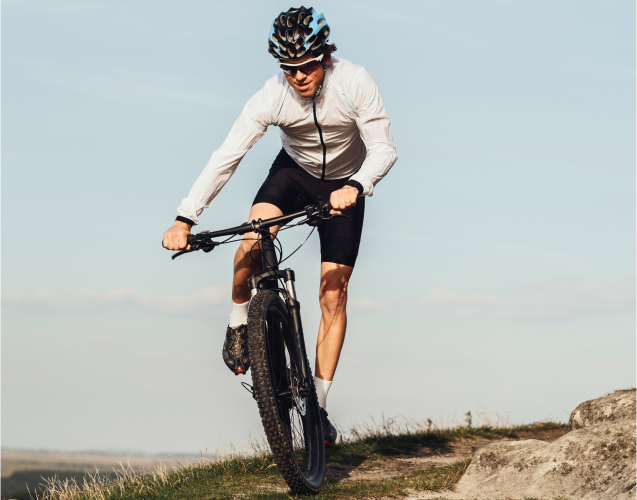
(308, 92)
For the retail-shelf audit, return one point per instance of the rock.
(595, 462)
(617, 406)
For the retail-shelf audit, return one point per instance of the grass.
(256, 476)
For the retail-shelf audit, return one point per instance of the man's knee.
(333, 299)
(333, 292)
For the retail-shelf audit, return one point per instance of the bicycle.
(282, 380)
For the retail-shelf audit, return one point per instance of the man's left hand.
(343, 198)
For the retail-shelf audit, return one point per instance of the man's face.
(306, 84)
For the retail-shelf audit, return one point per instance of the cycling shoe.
(329, 431)
(235, 349)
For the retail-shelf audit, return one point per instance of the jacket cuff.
(357, 185)
(185, 220)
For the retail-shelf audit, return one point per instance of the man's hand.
(343, 198)
(176, 238)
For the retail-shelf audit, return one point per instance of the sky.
(497, 266)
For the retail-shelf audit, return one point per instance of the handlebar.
(247, 227)
(203, 241)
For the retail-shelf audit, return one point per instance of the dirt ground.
(426, 457)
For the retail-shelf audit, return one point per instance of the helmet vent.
(298, 32)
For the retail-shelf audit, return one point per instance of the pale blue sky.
(497, 269)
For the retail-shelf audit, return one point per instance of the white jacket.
(352, 119)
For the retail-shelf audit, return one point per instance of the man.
(337, 144)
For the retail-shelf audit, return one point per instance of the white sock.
(238, 315)
(322, 388)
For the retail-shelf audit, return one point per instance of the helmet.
(298, 32)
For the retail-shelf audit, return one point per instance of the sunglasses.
(306, 67)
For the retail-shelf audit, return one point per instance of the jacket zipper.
(320, 137)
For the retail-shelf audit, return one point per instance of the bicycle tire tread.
(265, 399)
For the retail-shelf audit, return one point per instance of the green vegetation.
(257, 477)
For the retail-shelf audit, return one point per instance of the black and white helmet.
(298, 32)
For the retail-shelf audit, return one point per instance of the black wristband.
(357, 185)
(185, 221)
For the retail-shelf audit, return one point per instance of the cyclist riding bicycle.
(337, 144)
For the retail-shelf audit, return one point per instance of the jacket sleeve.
(246, 131)
(373, 125)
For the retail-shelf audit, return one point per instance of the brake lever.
(181, 252)
(331, 216)
(206, 246)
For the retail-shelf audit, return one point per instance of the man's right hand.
(176, 238)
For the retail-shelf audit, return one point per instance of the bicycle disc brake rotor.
(300, 401)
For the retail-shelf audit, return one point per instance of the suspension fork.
(267, 279)
(294, 310)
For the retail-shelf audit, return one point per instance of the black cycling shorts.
(290, 188)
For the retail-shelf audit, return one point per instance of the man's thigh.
(260, 211)
(341, 236)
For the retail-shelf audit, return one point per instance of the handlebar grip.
(327, 206)
(190, 239)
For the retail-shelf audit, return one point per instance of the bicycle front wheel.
(290, 414)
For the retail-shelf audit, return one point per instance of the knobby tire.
(299, 454)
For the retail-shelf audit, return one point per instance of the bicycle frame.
(267, 279)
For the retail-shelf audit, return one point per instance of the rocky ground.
(427, 457)
(593, 460)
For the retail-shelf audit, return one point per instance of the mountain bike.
(282, 380)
